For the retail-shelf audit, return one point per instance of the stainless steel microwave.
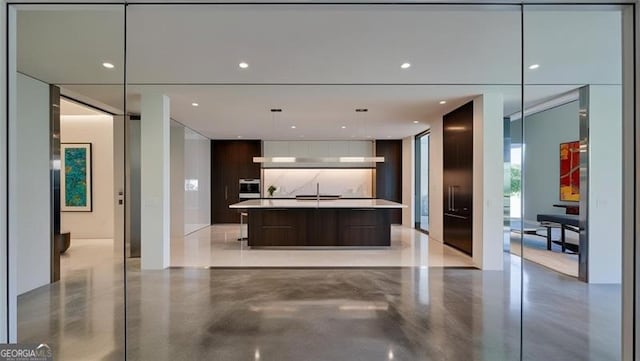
(249, 188)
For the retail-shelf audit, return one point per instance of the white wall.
(190, 180)
(30, 187)
(177, 179)
(408, 181)
(436, 196)
(352, 183)
(605, 184)
(543, 133)
(97, 130)
(197, 167)
(155, 192)
(488, 178)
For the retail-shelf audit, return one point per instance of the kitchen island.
(318, 223)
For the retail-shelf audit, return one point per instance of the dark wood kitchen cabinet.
(231, 160)
(389, 174)
(458, 178)
(319, 227)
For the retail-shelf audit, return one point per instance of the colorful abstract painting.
(570, 171)
(75, 177)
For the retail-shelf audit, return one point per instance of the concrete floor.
(217, 246)
(392, 313)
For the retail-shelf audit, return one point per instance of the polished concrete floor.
(535, 250)
(371, 313)
(217, 246)
(533, 247)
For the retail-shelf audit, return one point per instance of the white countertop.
(337, 203)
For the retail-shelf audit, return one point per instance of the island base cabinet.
(322, 228)
(276, 227)
(365, 227)
(310, 227)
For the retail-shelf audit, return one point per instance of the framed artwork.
(570, 171)
(75, 177)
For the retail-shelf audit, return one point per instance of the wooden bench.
(564, 222)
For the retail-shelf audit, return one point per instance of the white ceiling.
(71, 108)
(191, 53)
(317, 111)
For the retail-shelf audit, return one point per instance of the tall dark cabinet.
(389, 175)
(231, 160)
(458, 178)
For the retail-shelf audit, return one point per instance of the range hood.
(304, 160)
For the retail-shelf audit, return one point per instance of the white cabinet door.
(338, 148)
(276, 148)
(299, 149)
(361, 148)
(318, 148)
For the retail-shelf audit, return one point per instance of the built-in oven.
(249, 188)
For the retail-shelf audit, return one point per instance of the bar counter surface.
(318, 223)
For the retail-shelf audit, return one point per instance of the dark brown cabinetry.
(365, 227)
(389, 174)
(309, 227)
(231, 160)
(458, 178)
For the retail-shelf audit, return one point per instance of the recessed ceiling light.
(293, 127)
(534, 66)
(276, 110)
(344, 127)
(443, 102)
(415, 122)
(108, 65)
(239, 136)
(194, 104)
(362, 110)
(405, 65)
(243, 65)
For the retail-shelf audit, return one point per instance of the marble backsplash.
(349, 183)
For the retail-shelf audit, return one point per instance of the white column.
(488, 179)
(605, 184)
(154, 169)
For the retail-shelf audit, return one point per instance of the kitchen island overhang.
(318, 223)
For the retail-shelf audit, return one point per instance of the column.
(603, 183)
(488, 179)
(154, 168)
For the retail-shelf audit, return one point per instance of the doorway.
(422, 181)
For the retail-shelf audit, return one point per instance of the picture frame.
(570, 171)
(76, 177)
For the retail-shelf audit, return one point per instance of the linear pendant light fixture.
(318, 159)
